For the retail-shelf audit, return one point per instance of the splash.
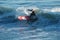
(25, 9)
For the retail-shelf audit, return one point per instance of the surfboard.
(23, 17)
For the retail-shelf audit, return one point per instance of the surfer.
(33, 16)
(30, 16)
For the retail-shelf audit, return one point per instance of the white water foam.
(24, 9)
(55, 9)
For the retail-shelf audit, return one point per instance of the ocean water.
(47, 27)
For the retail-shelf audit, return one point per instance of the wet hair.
(33, 12)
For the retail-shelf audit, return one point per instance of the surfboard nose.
(23, 17)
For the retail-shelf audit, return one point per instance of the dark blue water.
(47, 27)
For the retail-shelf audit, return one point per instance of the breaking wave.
(9, 14)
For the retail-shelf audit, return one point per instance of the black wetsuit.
(33, 17)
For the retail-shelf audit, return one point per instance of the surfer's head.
(33, 11)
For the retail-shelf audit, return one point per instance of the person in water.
(33, 16)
